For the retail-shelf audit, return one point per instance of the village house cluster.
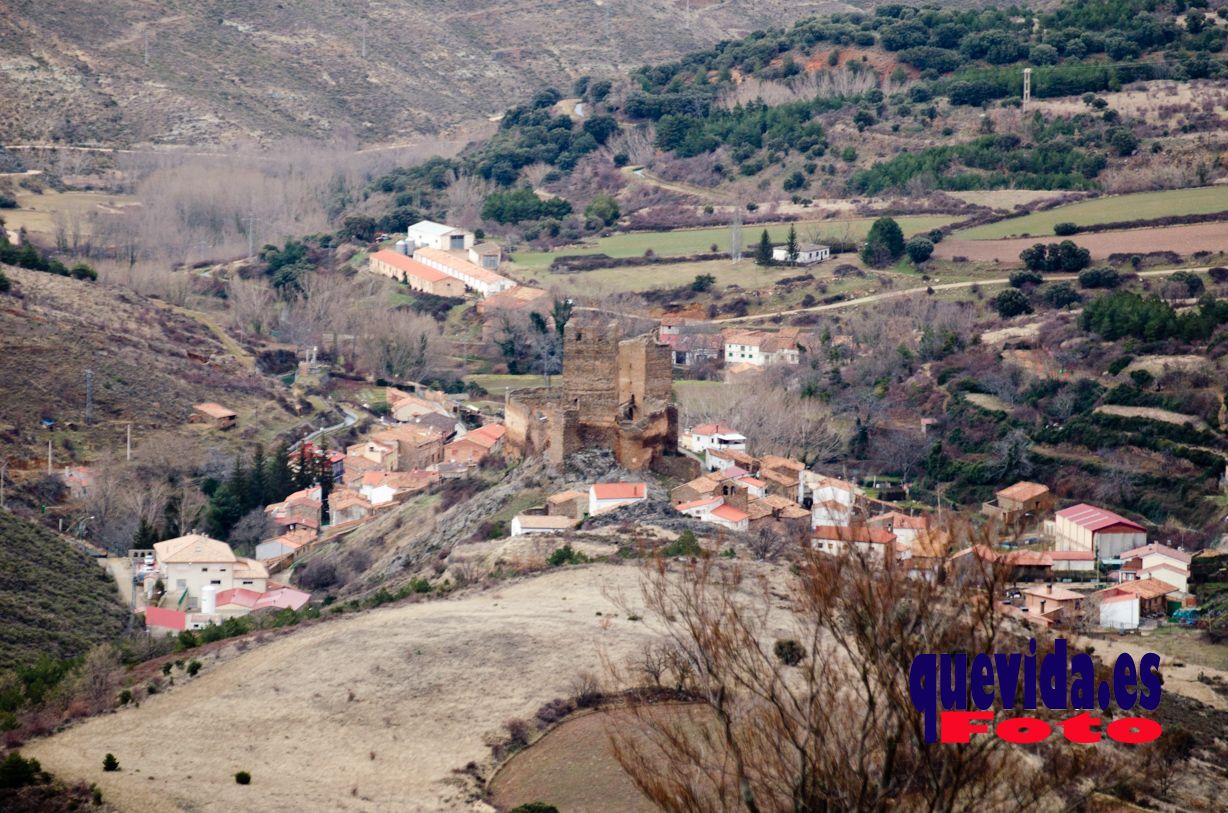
(696, 344)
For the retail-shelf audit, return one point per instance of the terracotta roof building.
(418, 276)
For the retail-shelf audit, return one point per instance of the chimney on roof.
(1050, 586)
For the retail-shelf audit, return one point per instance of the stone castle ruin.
(615, 395)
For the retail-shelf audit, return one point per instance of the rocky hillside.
(208, 71)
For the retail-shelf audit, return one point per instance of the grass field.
(1112, 209)
(37, 212)
(698, 241)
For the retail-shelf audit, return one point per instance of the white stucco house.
(525, 524)
(604, 497)
(189, 563)
(807, 254)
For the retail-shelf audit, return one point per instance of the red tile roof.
(1156, 548)
(214, 410)
(619, 491)
(409, 266)
(459, 265)
(1023, 491)
(486, 436)
(1147, 588)
(714, 429)
(686, 506)
(166, 619)
(238, 595)
(730, 514)
(1095, 519)
(854, 533)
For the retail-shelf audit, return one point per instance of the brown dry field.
(1154, 414)
(1184, 240)
(429, 681)
(574, 769)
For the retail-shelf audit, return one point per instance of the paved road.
(946, 286)
(351, 418)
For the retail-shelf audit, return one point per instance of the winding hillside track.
(946, 286)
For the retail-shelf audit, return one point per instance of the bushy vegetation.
(1124, 314)
(30, 257)
(519, 205)
(1011, 302)
(55, 603)
(987, 162)
(884, 244)
(1064, 257)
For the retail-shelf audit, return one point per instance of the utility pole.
(1027, 86)
(364, 39)
(735, 236)
(129, 443)
(145, 36)
(89, 397)
(4, 467)
(49, 455)
(251, 232)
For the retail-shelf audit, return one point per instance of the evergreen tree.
(280, 480)
(146, 535)
(763, 252)
(237, 484)
(791, 244)
(257, 481)
(884, 244)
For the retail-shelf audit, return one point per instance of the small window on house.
(247, 582)
(579, 335)
(204, 570)
(215, 581)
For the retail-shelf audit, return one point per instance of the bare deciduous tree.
(835, 730)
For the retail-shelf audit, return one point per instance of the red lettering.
(1023, 730)
(958, 726)
(1134, 730)
(1080, 729)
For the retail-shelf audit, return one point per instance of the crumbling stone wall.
(615, 395)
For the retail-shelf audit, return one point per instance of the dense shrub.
(1061, 295)
(1018, 279)
(243, 778)
(110, 763)
(18, 772)
(1064, 256)
(1065, 229)
(1104, 277)
(919, 249)
(1011, 302)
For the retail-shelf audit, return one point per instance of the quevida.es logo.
(956, 695)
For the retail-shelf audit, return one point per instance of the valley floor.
(370, 713)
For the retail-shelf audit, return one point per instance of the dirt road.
(946, 286)
(370, 713)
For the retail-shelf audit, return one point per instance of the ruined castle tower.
(616, 395)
